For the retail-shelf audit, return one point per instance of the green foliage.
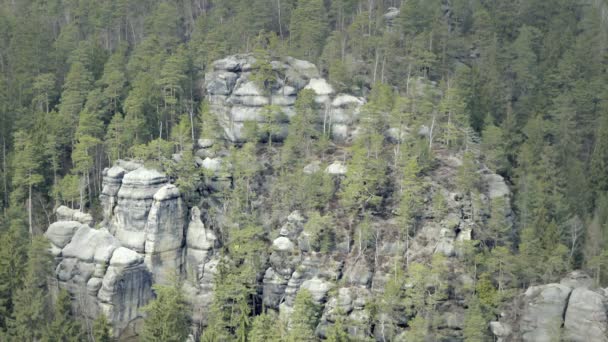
(102, 330)
(31, 301)
(305, 317)
(63, 327)
(308, 29)
(167, 316)
(265, 327)
(475, 325)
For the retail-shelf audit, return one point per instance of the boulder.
(586, 317)
(320, 86)
(501, 330)
(336, 169)
(61, 233)
(68, 214)
(318, 288)
(542, 317)
(312, 168)
(497, 187)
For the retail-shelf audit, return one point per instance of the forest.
(518, 88)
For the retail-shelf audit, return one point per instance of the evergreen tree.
(26, 174)
(303, 321)
(102, 329)
(167, 315)
(308, 29)
(64, 326)
(265, 327)
(31, 302)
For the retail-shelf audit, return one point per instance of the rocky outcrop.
(141, 241)
(68, 214)
(200, 265)
(236, 98)
(569, 311)
(101, 276)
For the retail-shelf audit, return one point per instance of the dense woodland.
(523, 85)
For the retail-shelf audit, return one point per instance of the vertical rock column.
(165, 235)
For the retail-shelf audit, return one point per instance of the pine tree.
(265, 327)
(64, 326)
(26, 174)
(167, 316)
(475, 326)
(13, 258)
(102, 329)
(308, 29)
(31, 301)
(305, 317)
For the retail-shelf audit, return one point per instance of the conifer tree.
(167, 315)
(303, 321)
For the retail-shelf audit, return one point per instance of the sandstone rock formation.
(235, 98)
(569, 311)
(141, 241)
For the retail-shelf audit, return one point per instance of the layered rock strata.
(236, 98)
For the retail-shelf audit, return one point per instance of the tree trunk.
(4, 176)
(29, 211)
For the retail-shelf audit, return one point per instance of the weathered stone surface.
(91, 245)
(68, 214)
(543, 316)
(501, 330)
(577, 279)
(586, 316)
(164, 233)
(496, 186)
(235, 98)
(134, 201)
(336, 168)
(61, 233)
(200, 265)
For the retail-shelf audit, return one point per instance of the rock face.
(142, 241)
(101, 276)
(236, 98)
(569, 311)
(201, 263)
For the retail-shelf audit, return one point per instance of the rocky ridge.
(236, 98)
(569, 311)
(148, 235)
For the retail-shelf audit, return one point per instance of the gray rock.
(577, 279)
(134, 201)
(318, 288)
(336, 169)
(496, 186)
(236, 99)
(164, 232)
(312, 168)
(283, 244)
(424, 131)
(391, 13)
(91, 245)
(320, 86)
(501, 330)
(221, 82)
(61, 233)
(205, 143)
(125, 257)
(68, 214)
(586, 318)
(212, 164)
(542, 318)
